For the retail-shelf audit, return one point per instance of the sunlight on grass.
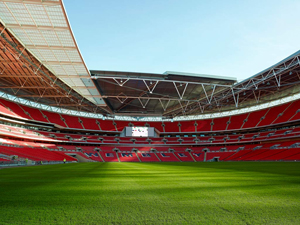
(152, 193)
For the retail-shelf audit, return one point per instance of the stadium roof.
(40, 61)
(140, 94)
(43, 29)
(210, 77)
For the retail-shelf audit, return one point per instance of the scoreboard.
(139, 132)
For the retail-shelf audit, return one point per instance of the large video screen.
(139, 131)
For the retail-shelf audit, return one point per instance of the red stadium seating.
(187, 126)
(281, 154)
(273, 114)
(54, 118)
(72, 121)
(204, 125)
(184, 156)
(237, 155)
(198, 156)
(35, 114)
(6, 110)
(89, 124)
(128, 157)
(239, 145)
(15, 108)
(107, 125)
(109, 156)
(167, 157)
(120, 125)
(237, 121)
(93, 155)
(36, 154)
(148, 157)
(171, 127)
(254, 118)
(220, 123)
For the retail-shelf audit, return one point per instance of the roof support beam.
(150, 98)
(50, 47)
(35, 2)
(182, 94)
(12, 26)
(154, 80)
(153, 86)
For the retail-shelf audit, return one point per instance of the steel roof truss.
(166, 106)
(212, 93)
(148, 87)
(235, 98)
(185, 108)
(183, 111)
(178, 92)
(256, 96)
(201, 107)
(121, 82)
(277, 78)
(144, 104)
(122, 97)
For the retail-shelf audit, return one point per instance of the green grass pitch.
(152, 193)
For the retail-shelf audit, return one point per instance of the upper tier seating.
(7, 111)
(171, 126)
(15, 108)
(273, 114)
(72, 121)
(35, 114)
(254, 118)
(220, 123)
(90, 124)
(54, 118)
(237, 121)
(187, 126)
(265, 117)
(204, 125)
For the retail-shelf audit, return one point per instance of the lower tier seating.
(148, 157)
(128, 157)
(109, 156)
(167, 157)
(35, 154)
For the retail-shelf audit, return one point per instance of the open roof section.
(43, 28)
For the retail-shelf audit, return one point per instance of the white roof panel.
(43, 28)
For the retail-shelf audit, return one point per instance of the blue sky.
(231, 38)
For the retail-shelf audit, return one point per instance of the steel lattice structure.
(41, 66)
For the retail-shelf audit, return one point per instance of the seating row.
(261, 118)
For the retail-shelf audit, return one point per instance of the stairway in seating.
(118, 157)
(192, 157)
(176, 157)
(100, 157)
(157, 156)
(138, 156)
